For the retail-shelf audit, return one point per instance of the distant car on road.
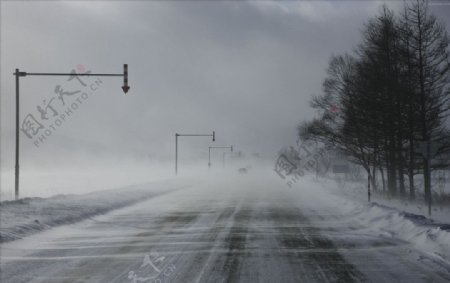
(242, 170)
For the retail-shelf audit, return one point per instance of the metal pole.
(76, 74)
(209, 156)
(189, 135)
(209, 152)
(17, 137)
(176, 154)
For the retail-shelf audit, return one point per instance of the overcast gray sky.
(244, 69)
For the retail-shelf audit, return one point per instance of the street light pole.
(209, 152)
(19, 74)
(213, 135)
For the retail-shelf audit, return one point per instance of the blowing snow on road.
(241, 228)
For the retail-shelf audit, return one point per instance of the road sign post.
(209, 152)
(19, 74)
(125, 86)
(213, 135)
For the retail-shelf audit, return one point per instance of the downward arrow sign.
(125, 86)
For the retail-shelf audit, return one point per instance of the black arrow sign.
(125, 86)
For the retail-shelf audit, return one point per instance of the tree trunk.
(401, 177)
(382, 178)
(412, 193)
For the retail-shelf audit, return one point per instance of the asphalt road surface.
(245, 230)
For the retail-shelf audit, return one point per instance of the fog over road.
(245, 228)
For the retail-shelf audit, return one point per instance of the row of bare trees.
(389, 100)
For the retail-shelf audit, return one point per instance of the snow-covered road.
(243, 229)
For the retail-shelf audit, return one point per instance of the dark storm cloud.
(244, 69)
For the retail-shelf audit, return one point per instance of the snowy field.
(48, 182)
(230, 228)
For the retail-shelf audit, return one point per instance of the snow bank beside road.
(31, 215)
(433, 239)
(424, 234)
